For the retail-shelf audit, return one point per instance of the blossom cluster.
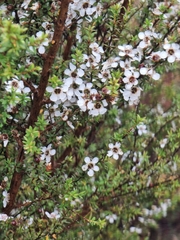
(100, 79)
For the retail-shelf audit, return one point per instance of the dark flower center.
(57, 91)
(97, 105)
(74, 86)
(73, 74)
(15, 84)
(115, 149)
(86, 91)
(47, 152)
(133, 89)
(132, 79)
(86, 5)
(90, 165)
(171, 51)
(156, 58)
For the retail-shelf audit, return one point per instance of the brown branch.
(123, 10)
(37, 101)
(48, 62)
(70, 42)
(17, 175)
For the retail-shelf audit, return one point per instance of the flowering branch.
(48, 62)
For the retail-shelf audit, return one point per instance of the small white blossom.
(15, 85)
(111, 62)
(111, 218)
(163, 142)
(130, 78)
(115, 150)
(90, 166)
(96, 50)
(141, 129)
(3, 217)
(85, 7)
(52, 112)
(132, 95)
(127, 51)
(44, 44)
(53, 215)
(97, 108)
(6, 196)
(47, 152)
(172, 52)
(56, 94)
(74, 75)
(104, 75)
(135, 229)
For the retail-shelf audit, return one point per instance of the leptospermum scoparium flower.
(115, 150)
(90, 166)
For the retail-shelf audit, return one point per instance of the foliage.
(89, 130)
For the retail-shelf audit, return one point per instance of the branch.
(48, 62)
(123, 10)
(37, 101)
(17, 175)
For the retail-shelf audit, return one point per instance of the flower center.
(73, 74)
(85, 5)
(133, 89)
(57, 91)
(90, 166)
(14, 84)
(156, 58)
(97, 105)
(132, 79)
(47, 152)
(115, 149)
(171, 51)
(127, 52)
(74, 86)
(86, 91)
(105, 75)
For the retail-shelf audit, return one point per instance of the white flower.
(85, 7)
(51, 112)
(96, 50)
(135, 229)
(115, 150)
(47, 152)
(104, 75)
(90, 61)
(111, 62)
(146, 38)
(127, 51)
(97, 108)
(90, 166)
(172, 52)
(56, 94)
(44, 44)
(74, 75)
(126, 64)
(16, 85)
(25, 4)
(111, 218)
(163, 142)
(53, 215)
(6, 196)
(132, 95)
(130, 78)
(35, 6)
(141, 129)
(150, 72)
(3, 217)
(137, 159)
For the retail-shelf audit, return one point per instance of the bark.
(37, 102)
